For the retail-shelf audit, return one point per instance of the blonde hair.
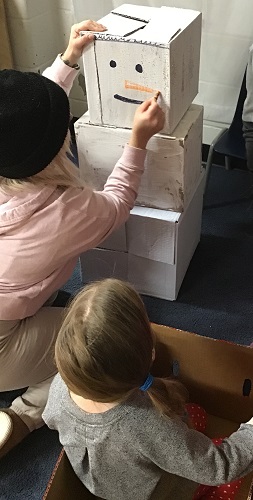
(61, 172)
(104, 348)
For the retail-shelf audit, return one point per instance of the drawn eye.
(113, 64)
(139, 68)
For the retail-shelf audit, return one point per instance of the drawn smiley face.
(131, 85)
(127, 74)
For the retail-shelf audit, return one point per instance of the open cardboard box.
(218, 376)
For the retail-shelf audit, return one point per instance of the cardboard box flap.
(186, 123)
(64, 484)
(151, 233)
(162, 27)
(218, 374)
(153, 26)
(165, 24)
(155, 213)
(119, 26)
(141, 12)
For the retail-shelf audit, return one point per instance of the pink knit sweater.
(42, 232)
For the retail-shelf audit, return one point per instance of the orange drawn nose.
(136, 86)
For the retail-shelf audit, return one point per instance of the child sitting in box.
(125, 432)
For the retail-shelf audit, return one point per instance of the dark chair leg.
(228, 165)
(208, 166)
(210, 157)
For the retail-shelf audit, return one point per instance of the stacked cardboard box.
(144, 50)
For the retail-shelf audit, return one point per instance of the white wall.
(39, 30)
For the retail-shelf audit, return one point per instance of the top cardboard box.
(144, 49)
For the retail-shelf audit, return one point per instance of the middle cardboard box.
(172, 168)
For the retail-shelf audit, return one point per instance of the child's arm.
(77, 43)
(175, 448)
(63, 70)
(93, 215)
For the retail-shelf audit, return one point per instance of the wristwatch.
(66, 61)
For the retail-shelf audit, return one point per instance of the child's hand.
(77, 43)
(148, 120)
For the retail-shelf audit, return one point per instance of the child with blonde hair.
(48, 217)
(124, 431)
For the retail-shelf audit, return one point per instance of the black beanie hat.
(34, 120)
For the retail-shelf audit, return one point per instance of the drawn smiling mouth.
(126, 99)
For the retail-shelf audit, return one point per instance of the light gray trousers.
(27, 360)
(248, 136)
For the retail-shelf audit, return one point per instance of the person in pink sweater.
(48, 217)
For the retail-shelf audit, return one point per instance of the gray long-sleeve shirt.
(131, 452)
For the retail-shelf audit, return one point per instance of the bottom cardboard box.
(157, 249)
(218, 376)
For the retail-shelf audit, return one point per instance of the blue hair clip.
(148, 382)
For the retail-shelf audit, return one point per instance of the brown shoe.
(12, 430)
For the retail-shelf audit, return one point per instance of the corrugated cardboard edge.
(53, 474)
(250, 495)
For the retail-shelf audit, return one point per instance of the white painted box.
(159, 249)
(144, 50)
(172, 167)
